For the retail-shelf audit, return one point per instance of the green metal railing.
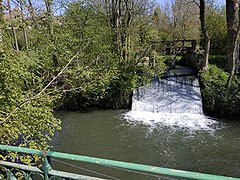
(48, 173)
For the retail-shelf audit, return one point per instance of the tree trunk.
(115, 23)
(1, 24)
(237, 58)
(232, 10)
(121, 19)
(12, 26)
(24, 28)
(49, 4)
(25, 37)
(205, 35)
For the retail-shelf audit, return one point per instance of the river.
(109, 134)
(166, 127)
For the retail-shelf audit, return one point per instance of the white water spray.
(174, 101)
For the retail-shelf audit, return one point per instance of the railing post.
(10, 175)
(46, 165)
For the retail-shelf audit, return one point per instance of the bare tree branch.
(194, 1)
(37, 96)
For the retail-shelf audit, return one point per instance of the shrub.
(217, 97)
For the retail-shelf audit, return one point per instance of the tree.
(178, 20)
(49, 12)
(1, 26)
(107, 37)
(21, 4)
(217, 28)
(232, 13)
(12, 25)
(127, 19)
(205, 35)
(24, 120)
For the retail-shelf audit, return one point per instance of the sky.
(222, 2)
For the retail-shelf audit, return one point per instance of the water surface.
(166, 127)
(109, 134)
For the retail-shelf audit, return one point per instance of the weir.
(173, 94)
(174, 100)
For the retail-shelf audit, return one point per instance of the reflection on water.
(106, 134)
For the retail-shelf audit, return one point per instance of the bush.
(217, 97)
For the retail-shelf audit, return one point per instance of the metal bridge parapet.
(47, 173)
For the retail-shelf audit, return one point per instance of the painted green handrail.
(120, 164)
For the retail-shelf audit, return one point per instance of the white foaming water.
(182, 120)
(174, 101)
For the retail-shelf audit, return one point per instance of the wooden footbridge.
(13, 171)
(179, 47)
(188, 49)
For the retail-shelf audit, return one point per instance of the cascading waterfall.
(173, 101)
